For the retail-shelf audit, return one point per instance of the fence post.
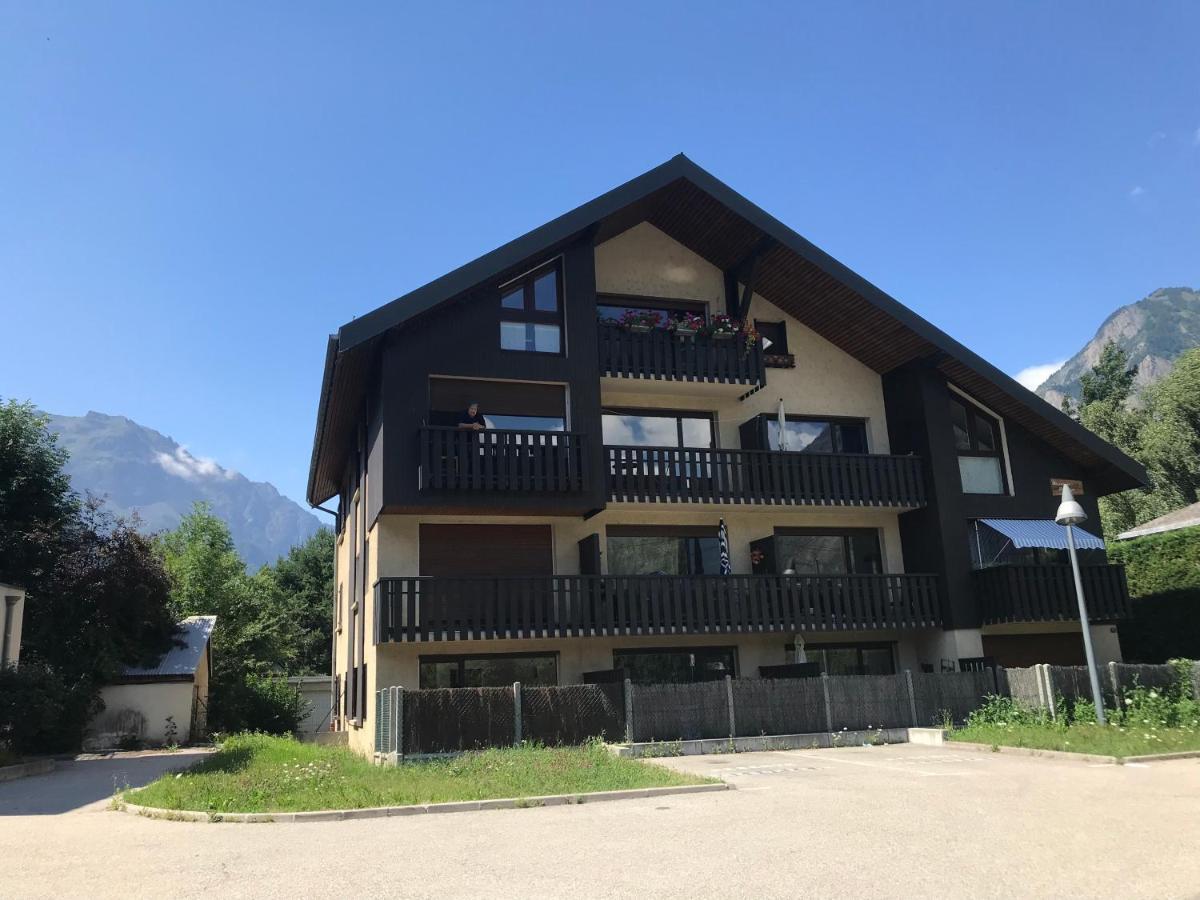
(912, 698)
(729, 697)
(1115, 678)
(628, 711)
(1050, 704)
(828, 705)
(516, 714)
(398, 723)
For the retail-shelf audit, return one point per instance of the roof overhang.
(720, 225)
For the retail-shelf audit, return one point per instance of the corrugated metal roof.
(1172, 521)
(184, 658)
(1042, 533)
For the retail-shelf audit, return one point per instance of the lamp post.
(1070, 514)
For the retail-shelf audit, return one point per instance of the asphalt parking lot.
(852, 822)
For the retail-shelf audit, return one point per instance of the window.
(848, 551)
(610, 308)
(518, 405)
(531, 312)
(663, 550)
(850, 659)
(489, 670)
(676, 665)
(775, 344)
(989, 547)
(657, 428)
(811, 435)
(977, 440)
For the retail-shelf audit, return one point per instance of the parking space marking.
(910, 768)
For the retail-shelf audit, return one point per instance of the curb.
(1034, 751)
(380, 812)
(24, 770)
(1163, 757)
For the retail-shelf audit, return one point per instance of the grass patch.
(259, 773)
(1102, 740)
(8, 758)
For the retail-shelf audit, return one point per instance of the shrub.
(259, 703)
(40, 712)
(1164, 626)
(1160, 563)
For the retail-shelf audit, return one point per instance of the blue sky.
(193, 195)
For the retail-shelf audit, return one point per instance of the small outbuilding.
(162, 705)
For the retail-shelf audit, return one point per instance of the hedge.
(1159, 563)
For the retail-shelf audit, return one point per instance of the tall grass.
(261, 773)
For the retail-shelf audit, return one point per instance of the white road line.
(909, 771)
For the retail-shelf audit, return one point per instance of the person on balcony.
(472, 418)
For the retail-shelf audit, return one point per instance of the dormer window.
(980, 455)
(531, 312)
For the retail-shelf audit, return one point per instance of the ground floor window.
(489, 670)
(850, 659)
(675, 665)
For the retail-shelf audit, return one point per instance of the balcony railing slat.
(710, 475)
(414, 609)
(660, 355)
(1046, 593)
(460, 459)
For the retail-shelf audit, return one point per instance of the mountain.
(1153, 331)
(136, 468)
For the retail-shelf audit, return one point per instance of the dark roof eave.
(331, 353)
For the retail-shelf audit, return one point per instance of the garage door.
(486, 550)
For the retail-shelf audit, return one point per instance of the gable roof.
(1187, 517)
(718, 224)
(183, 659)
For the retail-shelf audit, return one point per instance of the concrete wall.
(142, 710)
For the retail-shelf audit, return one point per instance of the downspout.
(10, 604)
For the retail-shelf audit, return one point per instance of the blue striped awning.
(1042, 533)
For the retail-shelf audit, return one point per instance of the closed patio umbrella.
(781, 418)
(723, 546)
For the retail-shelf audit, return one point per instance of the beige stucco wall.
(154, 701)
(826, 380)
(12, 617)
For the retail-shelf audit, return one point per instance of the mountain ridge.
(1153, 331)
(138, 469)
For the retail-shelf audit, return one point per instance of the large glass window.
(610, 308)
(850, 551)
(977, 440)
(663, 550)
(989, 547)
(850, 659)
(811, 435)
(499, 670)
(522, 406)
(531, 312)
(657, 428)
(675, 665)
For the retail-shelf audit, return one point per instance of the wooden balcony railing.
(1033, 593)
(659, 354)
(705, 475)
(450, 609)
(459, 459)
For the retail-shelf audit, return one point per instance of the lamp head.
(1069, 511)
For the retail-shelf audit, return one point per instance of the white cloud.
(194, 468)
(1136, 192)
(1033, 376)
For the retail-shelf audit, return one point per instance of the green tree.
(305, 578)
(97, 593)
(1110, 379)
(36, 502)
(256, 636)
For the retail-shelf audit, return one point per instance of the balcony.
(1046, 593)
(414, 609)
(661, 356)
(706, 475)
(458, 459)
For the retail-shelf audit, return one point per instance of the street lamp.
(1070, 514)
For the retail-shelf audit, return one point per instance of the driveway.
(856, 822)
